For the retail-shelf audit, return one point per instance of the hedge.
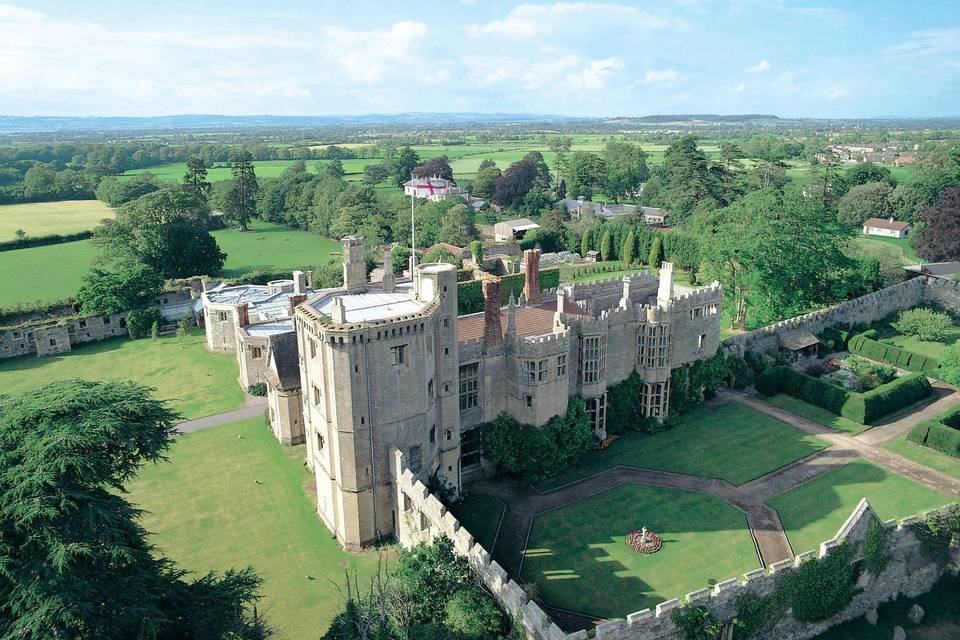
(940, 434)
(470, 294)
(42, 241)
(865, 408)
(865, 345)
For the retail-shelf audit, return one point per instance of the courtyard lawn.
(44, 218)
(929, 348)
(816, 414)
(729, 441)
(55, 272)
(480, 514)
(197, 382)
(579, 560)
(926, 456)
(813, 512)
(208, 513)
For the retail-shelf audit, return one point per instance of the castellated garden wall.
(909, 572)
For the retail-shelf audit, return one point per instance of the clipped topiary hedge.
(865, 408)
(940, 434)
(864, 344)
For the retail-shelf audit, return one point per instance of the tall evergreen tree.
(195, 179)
(628, 248)
(585, 243)
(606, 246)
(656, 253)
(242, 200)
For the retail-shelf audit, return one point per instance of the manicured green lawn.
(43, 218)
(815, 413)
(925, 456)
(813, 512)
(896, 247)
(579, 560)
(55, 272)
(208, 513)
(197, 382)
(730, 441)
(480, 514)
(928, 348)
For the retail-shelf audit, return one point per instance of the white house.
(435, 189)
(886, 227)
(511, 230)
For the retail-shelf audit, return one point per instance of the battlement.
(709, 294)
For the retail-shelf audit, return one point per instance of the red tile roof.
(884, 223)
(531, 321)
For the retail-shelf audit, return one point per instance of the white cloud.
(534, 20)
(760, 67)
(938, 48)
(783, 84)
(661, 76)
(368, 55)
(740, 88)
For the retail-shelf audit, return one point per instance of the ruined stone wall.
(59, 336)
(865, 309)
(943, 293)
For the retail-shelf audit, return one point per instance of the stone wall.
(605, 294)
(909, 573)
(59, 336)
(865, 309)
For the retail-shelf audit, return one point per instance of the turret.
(665, 292)
(354, 266)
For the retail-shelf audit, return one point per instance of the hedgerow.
(470, 293)
(865, 345)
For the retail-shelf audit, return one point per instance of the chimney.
(299, 282)
(625, 300)
(561, 303)
(512, 317)
(891, 219)
(338, 313)
(388, 278)
(531, 276)
(295, 300)
(310, 279)
(354, 266)
(492, 329)
(243, 314)
(665, 292)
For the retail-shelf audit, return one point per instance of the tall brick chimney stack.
(294, 300)
(492, 329)
(243, 314)
(531, 276)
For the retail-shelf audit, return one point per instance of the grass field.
(197, 382)
(730, 441)
(56, 271)
(44, 218)
(928, 348)
(480, 514)
(895, 247)
(207, 513)
(580, 561)
(925, 456)
(813, 512)
(815, 413)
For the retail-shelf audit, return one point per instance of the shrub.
(894, 396)
(819, 588)
(864, 345)
(918, 433)
(697, 623)
(944, 439)
(925, 323)
(259, 389)
(950, 364)
(43, 241)
(139, 322)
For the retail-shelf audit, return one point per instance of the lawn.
(929, 348)
(56, 271)
(480, 514)
(730, 441)
(896, 247)
(925, 456)
(815, 511)
(208, 513)
(603, 275)
(580, 562)
(197, 382)
(816, 414)
(44, 218)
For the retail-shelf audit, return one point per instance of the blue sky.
(836, 59)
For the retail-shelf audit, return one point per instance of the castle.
(365, 369)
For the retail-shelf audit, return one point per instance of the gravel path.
(255, 407)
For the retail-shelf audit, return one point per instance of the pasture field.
(195, 381)
(206, 511)
(813, 512)
(580, 562)
(44, 218)
(896, 247)
(55, 272)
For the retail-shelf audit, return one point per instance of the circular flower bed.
(644, 541)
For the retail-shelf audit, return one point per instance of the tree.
(560, 147)
(606, 246)
(76, 561)
(871, 200)
(335, 168)
(731, 154)
(165, 230)
(950, 364)
(434, 167)
(519, 178)
(628, 248)
(585, 243)
(195, 179)
(376, 173)
(626, 169)
(441, 254)
(407, 160)
(923, 322)
(130, 285)
(476, 250)
(685, 180)
(939, 241)
(241, 202)
(458, 227)
(485, 184)
(656, 253)
(328, 275)
(868, 172)
(587, 173)
(118, 192)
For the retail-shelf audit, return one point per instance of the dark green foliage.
(697, 623)
(875, 555)
(939, 240)
(944, 439)
(471, 614)
(919, 432)
(242, 196)
(819, 588)
(534, 453)
(470, 293)
(896, 395)
(75, 561)
(936, 529)
(691, 384)
(42, 241)
(259, 389)
(328, 276)
(116, 192)
(125, 287)
(753, 613)
(140, 321)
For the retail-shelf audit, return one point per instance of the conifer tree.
(628, 248)
(656, 253)
(606, 246)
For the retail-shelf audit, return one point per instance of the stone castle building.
(365, 369)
